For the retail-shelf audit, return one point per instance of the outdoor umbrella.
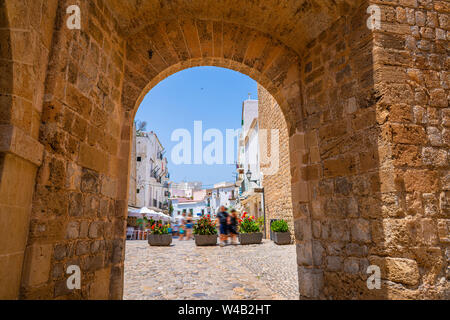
(132, 212)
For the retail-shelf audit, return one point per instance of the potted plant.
(142, 223)
(205, 232)
(159, 234)
(281, 234)
(249, 230)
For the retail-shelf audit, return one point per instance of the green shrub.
(279, 226)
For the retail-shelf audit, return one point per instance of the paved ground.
(184, 271)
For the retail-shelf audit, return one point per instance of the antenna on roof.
(249, 96)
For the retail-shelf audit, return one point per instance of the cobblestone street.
(184, 271)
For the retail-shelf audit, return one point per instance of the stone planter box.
(282, 238)
(250, 238)
(160, 240)
(205, 240)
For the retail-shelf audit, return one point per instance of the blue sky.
(210, 94)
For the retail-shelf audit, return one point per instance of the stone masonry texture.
(366, 111)
(277, 184)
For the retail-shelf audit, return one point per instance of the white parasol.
(133, 212)
(149, 213)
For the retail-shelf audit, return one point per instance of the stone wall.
(132, 190)
(412, 79)
(336, 183)
(78, 211)
(366, 112)
(374, 110)
(277, 186)
(26, 31)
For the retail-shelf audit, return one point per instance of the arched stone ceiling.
(293, 22)
(164, 48)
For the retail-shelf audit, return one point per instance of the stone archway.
(25, 42)
(369, 176)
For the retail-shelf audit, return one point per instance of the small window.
(139, 159)
(137, 191)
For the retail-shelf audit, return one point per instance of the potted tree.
(159, 234)
(281, 234)
(249, 230)
(205, 232)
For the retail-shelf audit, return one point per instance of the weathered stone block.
(435, 136)
(90, 181)
(61, 289)
(60, 252)
(421, 181)
(444, 230)
(75, 205)
(57, 271)
(334, 263)
(340, 231)
(304, 254)
(92, 263)
(339, 167)
(302, 228)
(73, 230)
(310, 282)
(438, 98)
(37, 264)
(351, 265)
(116, 280)
(95, 229)
(356, 250)
(400, 270)
(99, 289)
(360, 230)
(408, 134)
(435, 157)
(317, 253)
(83, 248)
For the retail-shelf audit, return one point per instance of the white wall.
(221, 197)
(249, 141)
(196, 206)
(148, 148)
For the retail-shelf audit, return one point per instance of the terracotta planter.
(205, 240)
(282, 238)
(250, 238)
(160, 240)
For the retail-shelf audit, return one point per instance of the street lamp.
(249, 178)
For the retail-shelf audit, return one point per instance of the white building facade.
(250, 195)
(222, 194)
(195, 207)
(152, 175)
(184, 189)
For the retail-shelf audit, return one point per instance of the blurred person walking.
(189, 226)
(233, 226)
(223, 219)
(182, 226)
